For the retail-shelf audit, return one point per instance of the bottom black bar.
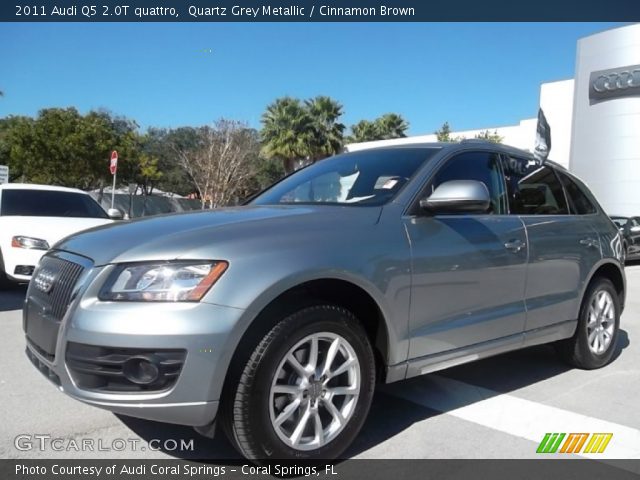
(569, 469)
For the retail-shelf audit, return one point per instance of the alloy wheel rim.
(601, 318)
(314, 391)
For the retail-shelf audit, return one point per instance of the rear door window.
(533, 189)
(49, 203)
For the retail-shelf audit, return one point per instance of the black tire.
(576, 350)
(4, 281)
(247, 411)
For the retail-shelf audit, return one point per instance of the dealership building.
(594, 120)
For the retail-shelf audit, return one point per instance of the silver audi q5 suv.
(279, 317)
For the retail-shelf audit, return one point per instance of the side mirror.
(115, 214)
(458, 196)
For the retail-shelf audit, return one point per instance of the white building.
(594, 120)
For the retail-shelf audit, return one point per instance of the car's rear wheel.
(306, 390)
(593, 344)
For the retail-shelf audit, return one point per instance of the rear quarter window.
(579, 203)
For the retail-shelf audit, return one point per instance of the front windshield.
(367, 177)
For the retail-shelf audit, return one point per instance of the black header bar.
(316, 10)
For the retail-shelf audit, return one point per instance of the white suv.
(33, 218)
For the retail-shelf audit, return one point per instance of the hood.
(51, 229)
(204, 234)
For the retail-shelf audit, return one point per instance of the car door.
(468, 270)
(563, 243)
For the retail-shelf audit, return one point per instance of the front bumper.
(204, 331)
(20, 257)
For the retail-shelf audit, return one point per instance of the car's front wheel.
(306, 389)
(593, 344)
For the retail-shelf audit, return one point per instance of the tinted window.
(578, 201)
(533, 189)
(481, 166)
(49, 203)
(368, 177)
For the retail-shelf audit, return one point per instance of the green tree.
(15, 142)
(160, 144)
(101, 132)
(364, 131)
(326, 133)
(490, 137)
(267, 173)
(148, 173)
(62, 147)
(444, 133)
(286, 132)
(385, 127)
(391, 125)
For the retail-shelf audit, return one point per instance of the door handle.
(515, 245)
(590, 242)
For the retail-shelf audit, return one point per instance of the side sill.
(459, 356)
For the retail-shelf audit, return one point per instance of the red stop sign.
(113, 167)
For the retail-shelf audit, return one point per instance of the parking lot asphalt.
(495, 408)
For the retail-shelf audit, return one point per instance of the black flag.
(543, 139)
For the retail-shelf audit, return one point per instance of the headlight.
(162, 282)
(29, 242)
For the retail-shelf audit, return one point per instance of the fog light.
(23, 270)
(143, 370)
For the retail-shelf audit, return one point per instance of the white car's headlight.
(183, 281)
(21, 241)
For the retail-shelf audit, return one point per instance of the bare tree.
(221, 162)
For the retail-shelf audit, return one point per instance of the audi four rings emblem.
(615, 83)
(44, 280)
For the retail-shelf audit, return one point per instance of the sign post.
(4, 174)
(113, 168)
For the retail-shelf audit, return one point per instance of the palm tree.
(285, 130)
(364, 131)
(391, 125)
(327, 133)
